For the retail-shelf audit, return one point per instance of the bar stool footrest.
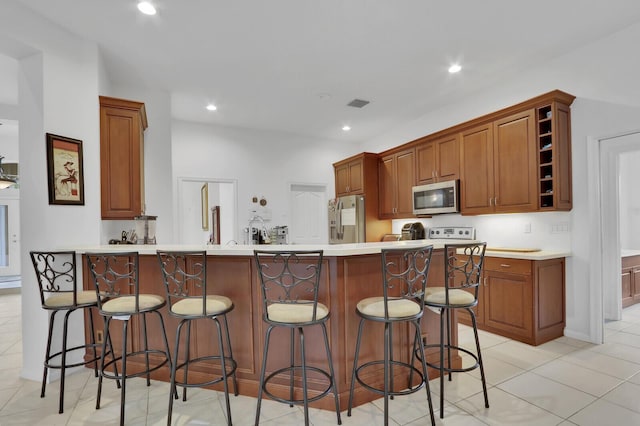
(290, 370)
(230, 365)
(109, 375)
(48, 364)
(450, 369)
(401, 364)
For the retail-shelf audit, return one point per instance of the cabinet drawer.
(514, 266)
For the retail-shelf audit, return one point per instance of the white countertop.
(533, 255)
(353, 249)
(629, 252)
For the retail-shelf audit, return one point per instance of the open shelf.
(545, 156)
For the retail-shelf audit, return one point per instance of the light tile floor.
(563, 382)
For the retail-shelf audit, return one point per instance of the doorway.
(196, 197)
(606, 259)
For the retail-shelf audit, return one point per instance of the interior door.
(308, 214)
(9, 237)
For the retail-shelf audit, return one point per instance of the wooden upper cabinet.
(476, 170)
(396, 179)
(358, 175)
(438, 160)
(514, 163)
(498, 166)
(122, 124)
(350, 177)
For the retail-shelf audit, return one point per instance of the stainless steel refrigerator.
(346, 220)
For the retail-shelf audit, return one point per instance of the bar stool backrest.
(185, 275)
(289, 277)
(56, 274)
(463, 267)
(115, 275)
(405, 273)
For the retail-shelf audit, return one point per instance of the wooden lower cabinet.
(521, 299)
(630, 280)
(344, 281)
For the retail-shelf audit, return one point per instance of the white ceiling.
(266, 63)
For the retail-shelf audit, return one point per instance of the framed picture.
(64, 170)
(204, 199)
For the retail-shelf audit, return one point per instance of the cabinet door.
(627, 293)
(515, 163)
(509, 303)
(121, 163)
(342, 180)
(476, 170)
(386, 184)
(635, 281)
(447, 158)
(426, 163)
(405, 179)
(356, 177)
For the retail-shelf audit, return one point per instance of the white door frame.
(605, 292)
(11, 197)
(180, 192)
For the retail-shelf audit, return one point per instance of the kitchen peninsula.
(350, 273)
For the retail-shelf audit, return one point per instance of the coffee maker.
(413, 231)
(145, 229)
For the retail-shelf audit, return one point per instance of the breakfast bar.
(350, 272)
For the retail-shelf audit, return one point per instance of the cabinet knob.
(505, 265)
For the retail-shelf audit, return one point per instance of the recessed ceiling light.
(211, 107)
(346, 128)
(147, 8)
(454, 68)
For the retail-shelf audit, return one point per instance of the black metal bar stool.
(56, 274)
(185, 278)
(290, 281)
(115, 276)
(463, 269)
(405, 274)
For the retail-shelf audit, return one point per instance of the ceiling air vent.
(357, 103)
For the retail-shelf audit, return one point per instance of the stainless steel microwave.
(436, 198)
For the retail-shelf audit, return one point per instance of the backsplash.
(543, 230)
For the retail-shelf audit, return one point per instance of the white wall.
(262, 162)
(629, 200)
(58, 87)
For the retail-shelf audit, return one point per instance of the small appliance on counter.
(452, 233)
(280, 235)
(145, 229)
(412, 231)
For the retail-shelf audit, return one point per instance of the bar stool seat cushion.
(457, 297)
(66, 299)
(127, 304)
(215, 305)
(296, 312)
(398, 308)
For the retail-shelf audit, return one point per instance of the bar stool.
(56, 274)
(463, 269)
(290, 281)
(185, 279)
(404, 281)
(116, 280)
